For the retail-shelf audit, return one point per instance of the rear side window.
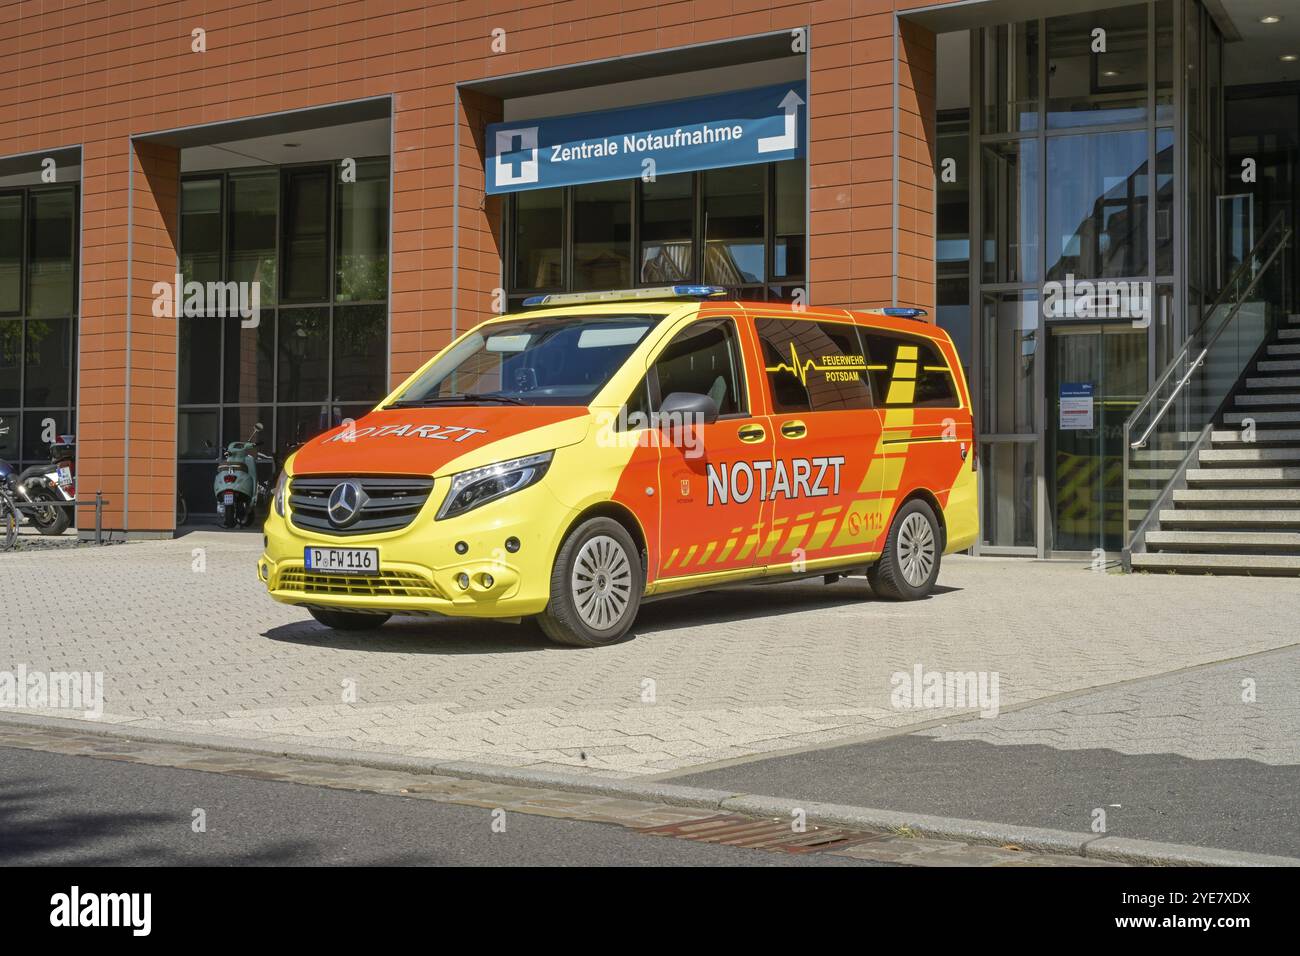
(909, 372)
(703, 358)
(813, 366)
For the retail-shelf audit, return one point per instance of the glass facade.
(1099, 150)
(318, 249)
(742, 228)
(38, 319)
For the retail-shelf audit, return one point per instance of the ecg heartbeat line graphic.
(800, 369)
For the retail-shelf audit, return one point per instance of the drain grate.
(730, 829)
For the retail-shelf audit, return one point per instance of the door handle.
(751, 433)
(794, 429)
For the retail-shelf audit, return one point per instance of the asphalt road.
(57, 809)
(1178, 758)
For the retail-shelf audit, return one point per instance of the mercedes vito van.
(597, 450)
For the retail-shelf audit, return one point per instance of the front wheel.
(596, 586)
(8, 522)
(48, 518)
(349, 620)
(909, 565)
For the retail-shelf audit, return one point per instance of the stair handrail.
(1280, 234)
(1278, 225)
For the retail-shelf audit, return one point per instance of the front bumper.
(419, 567)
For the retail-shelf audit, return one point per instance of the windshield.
(562, 360)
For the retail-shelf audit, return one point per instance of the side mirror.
(685, 408)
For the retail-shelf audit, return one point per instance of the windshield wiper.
(454, 399)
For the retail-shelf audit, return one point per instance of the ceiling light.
(1110, 73)
(1289, 57)
(1270, 19)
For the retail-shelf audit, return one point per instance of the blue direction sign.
(708, 132)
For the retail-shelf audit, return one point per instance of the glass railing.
(1171, 423)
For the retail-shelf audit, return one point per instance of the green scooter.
(238, 488)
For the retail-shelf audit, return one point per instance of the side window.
(813, 366)
(909, 372)
(704, 358)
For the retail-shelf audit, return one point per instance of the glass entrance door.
(1097, 375)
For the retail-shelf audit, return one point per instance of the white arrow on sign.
(789, 139)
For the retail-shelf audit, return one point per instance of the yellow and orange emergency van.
(570, 461)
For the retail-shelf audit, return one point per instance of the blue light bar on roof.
(628, 295)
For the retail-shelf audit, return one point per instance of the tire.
(8, 522)
(182, 510)
(51, 520)
(350, 620)
(596, 586)
(228, 517)
(909, 565)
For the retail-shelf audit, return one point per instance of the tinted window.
(909, 372)
(813, 366)
(703, 358)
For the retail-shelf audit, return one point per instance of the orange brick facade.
(96, 74)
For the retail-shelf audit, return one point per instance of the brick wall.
(97, 73)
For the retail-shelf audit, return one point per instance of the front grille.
(384, 584)
(392, 504)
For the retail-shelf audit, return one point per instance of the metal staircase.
(1212, 454)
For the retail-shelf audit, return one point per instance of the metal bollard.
(99, 517)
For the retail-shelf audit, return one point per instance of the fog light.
(512, 545)
(463, 580)
(487, 581)
(461, 547)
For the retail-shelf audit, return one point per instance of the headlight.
(280, 484)
(478, 486)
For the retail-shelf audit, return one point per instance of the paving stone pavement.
(1246, 708)
(187, 640)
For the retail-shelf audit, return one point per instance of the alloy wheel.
(601, 583)
(916, 547)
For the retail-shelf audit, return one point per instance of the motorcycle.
(239, 486)
(47, 488)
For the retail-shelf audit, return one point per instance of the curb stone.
(1063, 842)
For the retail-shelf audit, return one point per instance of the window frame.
(19, 411)
(741, 371)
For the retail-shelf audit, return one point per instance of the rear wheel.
(596, 586)
(349, 620)
(909, 565)
(228, 516)
(48, 518)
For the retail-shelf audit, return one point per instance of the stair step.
(1272, 418)
(1257, 497)
(1225, 540)
(1242, 476)
(1284, 349)
(1218, 563)
(1277, 398)
(1278, 365)
(1273, 381)
(1248, 456)
(1288, 334)
(1229, 517)
(1263, 436)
